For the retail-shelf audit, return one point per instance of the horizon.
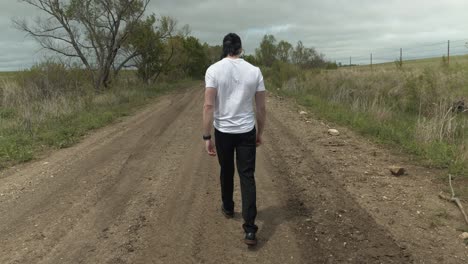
(421, 28)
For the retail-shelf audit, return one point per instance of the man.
(232, 84)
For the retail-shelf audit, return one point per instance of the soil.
(144, 191)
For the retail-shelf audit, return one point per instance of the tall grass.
(416, 109)
(51, 105)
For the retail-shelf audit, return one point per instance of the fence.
(445, 49)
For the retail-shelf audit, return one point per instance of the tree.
(284, 50)
(307, 57)
(214, 52)
(251, 59)
(150, 41)
(266, 53)
(92, 31)
(196, 59)
(190, 58)
(299, 55)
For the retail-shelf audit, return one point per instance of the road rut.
(144, 191)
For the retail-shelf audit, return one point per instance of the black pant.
(244, 145)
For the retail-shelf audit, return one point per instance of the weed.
(410, 108)
(50, 106)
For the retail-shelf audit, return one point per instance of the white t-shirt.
(236, 82)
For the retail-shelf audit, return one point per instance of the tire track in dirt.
(144, 191)
(131, 178)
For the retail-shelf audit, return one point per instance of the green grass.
(8, 75)
(405, 109)
(398, 132)
(21, 141)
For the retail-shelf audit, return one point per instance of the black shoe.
(250, 239)
(227, 213)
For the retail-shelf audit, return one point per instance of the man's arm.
(260, 114)
(208, 110)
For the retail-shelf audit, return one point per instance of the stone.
(333, 132)
(464, 236)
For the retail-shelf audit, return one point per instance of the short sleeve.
(210, 80)
(261, 83)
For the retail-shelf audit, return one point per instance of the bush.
(283, 72)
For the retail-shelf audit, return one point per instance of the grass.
(409, 109)
(33, 120)
(456, 61)
(4, 76)
(396, 132)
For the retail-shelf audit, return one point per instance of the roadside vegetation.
(51, 106)
(418, 108)
(106, 58)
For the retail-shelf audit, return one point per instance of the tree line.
(271, 51)
(105, 37)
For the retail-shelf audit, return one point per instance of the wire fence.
(384, 55)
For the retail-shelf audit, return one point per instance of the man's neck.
(233, 57)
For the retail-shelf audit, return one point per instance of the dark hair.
(232, 45)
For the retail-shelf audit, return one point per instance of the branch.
(59, 51)
(156, 76)
(109, 12)
(42, 6)
(51, 29)
(122, 65)
(36, 35)
(455, 200)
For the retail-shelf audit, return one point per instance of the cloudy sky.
(337, 28)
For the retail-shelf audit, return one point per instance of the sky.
(339, 29)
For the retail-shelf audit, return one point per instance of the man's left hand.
(210, 148)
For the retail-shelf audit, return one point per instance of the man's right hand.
(259, 140)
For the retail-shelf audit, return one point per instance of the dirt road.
(144, 191)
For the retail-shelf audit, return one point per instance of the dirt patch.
(408, 207)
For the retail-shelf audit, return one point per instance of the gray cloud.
(337, 28)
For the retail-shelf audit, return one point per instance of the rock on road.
(144, 191)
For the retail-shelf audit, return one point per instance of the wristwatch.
(208, 137)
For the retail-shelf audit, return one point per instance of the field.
(419, 109)
(53, 107)
(4, 76)
(455, 61)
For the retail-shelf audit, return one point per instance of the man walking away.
(232, 85)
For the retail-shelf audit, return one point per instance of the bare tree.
(92, 31)
(307, 57)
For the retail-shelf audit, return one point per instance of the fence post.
(448, 52)
(401, 57)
